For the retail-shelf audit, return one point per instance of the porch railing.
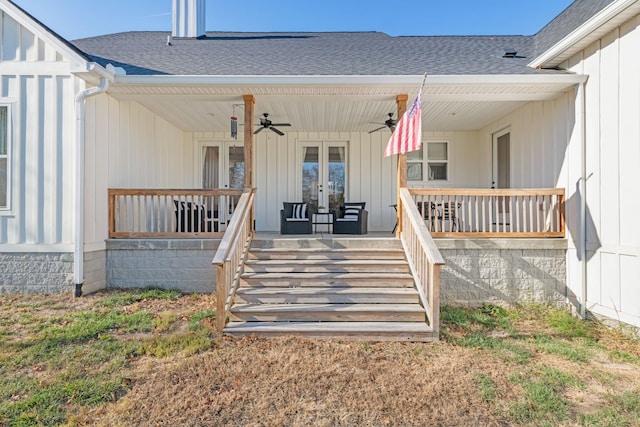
(424, 258)
(492, 212)
(230, 256)
(149, 213)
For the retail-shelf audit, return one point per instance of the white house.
(87, 125)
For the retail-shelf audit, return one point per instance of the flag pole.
(401, 105)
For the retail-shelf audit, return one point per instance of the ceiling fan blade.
(376, 130)
(280, 124)
(277, 131)
(258, 130)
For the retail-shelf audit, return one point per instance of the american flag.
(408, 133)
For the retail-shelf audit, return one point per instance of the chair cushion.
(297, 219)
(351, 218)
(352, 211)
(299, 211)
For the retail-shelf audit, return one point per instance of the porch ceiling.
(322, 105)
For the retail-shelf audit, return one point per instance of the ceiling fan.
(265, 123)
(389, 123)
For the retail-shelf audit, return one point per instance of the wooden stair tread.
(357, 262)
(270, 308)
(350, 331)
(326, 290)
(327, 275)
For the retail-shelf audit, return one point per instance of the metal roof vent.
(510, 53)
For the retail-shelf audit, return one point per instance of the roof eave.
(583, 35)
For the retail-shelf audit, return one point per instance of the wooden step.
(333, 295)
(377, 280)
(319, 253)
(347, 331)
(323, 265)
(328, 312)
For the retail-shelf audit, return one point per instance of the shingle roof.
(576, 14)
(343, 53)
(332, 53)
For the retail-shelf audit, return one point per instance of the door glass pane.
(414, 171)
(3, 131)
(336, 177)
(3, 182)
(310, 176)
(236, 167)
(437, 171)
(210, 171)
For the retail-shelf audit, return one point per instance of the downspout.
(583, 198)
(78, 254)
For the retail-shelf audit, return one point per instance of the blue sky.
(75, 19)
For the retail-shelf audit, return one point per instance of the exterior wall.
(612, 96)
(32, 272)
(128, 146)
(183, 264)
(503, 271)
(41, 90)
(36, 232)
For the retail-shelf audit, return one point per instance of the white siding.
(128, 146)
(613, 168)
(41, 94)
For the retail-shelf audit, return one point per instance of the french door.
(222, 167)
(324, 174)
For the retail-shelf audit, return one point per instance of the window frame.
(425, 161)
(8, 104)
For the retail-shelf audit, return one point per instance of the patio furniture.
(351, 218)
(295, 218)
(192, 218)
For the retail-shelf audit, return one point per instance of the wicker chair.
(351, 218)
(295, 218)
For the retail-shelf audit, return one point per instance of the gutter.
(583, 199)
(78, 253)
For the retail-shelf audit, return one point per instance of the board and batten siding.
(613, 169)
(36, 82)
(128, 146)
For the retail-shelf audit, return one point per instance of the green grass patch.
(128, 297)
(622, 410)
(542, 402)
(622, 356)
(83, 326)
(486, 386)
(567, 325)
(504, 348)
(563, 348)
(164, 321)
(489, 317)
(195, 321)
(174, 345)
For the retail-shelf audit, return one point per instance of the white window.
(432, 167)
(5, 156)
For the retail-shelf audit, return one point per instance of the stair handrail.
(231, 255)
(424, 258)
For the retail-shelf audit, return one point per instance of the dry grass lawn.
(151, 358)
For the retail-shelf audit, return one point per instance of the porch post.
(249, 102)
(401, 105)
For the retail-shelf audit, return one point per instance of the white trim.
(412, 82)
(40, 248)
(582, 32)
(494, 154)
(9, 104)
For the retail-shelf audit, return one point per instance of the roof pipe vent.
(189, 19)
(510, 53)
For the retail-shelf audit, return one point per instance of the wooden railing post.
(221, 296)
(401, 107)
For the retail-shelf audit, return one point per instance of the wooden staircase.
(345, 289)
